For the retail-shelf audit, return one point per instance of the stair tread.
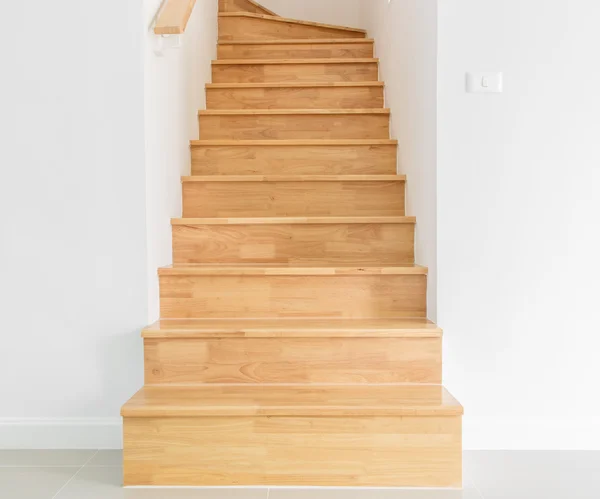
(295, 178)
(294, 269)
(298, 84)
(291, 21)
(257, 5)
(294, 220)
(252, 112)
(297, 41)
(296, 142)
(293, 328)
(326, 60)
(292, 400)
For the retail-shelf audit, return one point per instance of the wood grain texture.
(245, 26)
(331, 451)
(296, 49)
(292, 400)
(396, 327)
(173, 17)
(294, 157)
(291, 96)
(292, 360)
(341, 243)
(264, 296)
(305, 70)
(244, 6)
(294, 124)
(293, 198)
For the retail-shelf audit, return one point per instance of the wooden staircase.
(293, 346)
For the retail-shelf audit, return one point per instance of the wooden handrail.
(173, 17)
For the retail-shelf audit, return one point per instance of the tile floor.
(488, 475)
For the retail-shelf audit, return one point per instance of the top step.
(247, 26)
(244, 6)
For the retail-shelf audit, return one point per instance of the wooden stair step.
(297, 195)
(296, 142)
(244, 6)
(349, 48)
(408, 327)
(292, 351)
(319, 435)
(250, 124)
(245, 26)
(297, 85)
(267, 157)
(293, 220)
(294, 240)
(290, 62)
(246, 269)
(285, 70)
(295, 178)
(292, 290)
(312, 400)
(295, 95)
(286, 112)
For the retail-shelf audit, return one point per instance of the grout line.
(478, 491)
(474, 486)
(76, 473)
(268, 492)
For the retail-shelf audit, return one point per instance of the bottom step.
(296, 435)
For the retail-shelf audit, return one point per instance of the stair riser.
(242, 6)
(293, 360)
(294, 126)
(294, 160)
(344, 296)
(352, 244)
(295, 98)
(277, 73)
(248, 28)
(302, 199)
(363, 451)
(296, 51)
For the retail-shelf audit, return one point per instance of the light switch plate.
(485, 82)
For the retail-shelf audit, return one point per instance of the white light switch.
(485, 82)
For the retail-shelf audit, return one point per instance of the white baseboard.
(70, 433)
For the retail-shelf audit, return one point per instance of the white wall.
(174, 92)
(518, 211)
(73, 288)
(96, 132)
(340, 12)
(405, 33)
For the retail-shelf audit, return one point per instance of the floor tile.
(33, 483)
(311, 493)
(107, 458)
(45, 458)
(536, 474)
(105, 483)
